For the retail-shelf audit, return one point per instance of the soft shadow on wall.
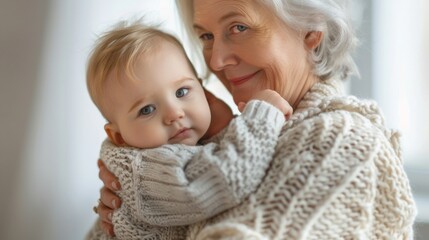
(23, 32)
(50, 130)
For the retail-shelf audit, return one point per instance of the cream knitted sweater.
(337, 173)
(177, 185)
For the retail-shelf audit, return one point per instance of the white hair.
(332, 58)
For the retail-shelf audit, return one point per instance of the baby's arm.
(179, 185)
(127, 229)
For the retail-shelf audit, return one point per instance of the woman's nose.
(222, 56)
(173, 113)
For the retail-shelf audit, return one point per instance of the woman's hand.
(273, 98)
(221, 115)
(109, 201)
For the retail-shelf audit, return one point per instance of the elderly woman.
(337, 172)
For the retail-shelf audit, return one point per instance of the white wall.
(22, 36)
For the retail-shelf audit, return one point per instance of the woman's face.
(250, 49)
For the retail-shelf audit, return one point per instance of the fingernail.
(114, 203)
(109, 216)
(115, 186)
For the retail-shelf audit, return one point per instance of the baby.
(156, 110)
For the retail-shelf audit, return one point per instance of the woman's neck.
(304, 88)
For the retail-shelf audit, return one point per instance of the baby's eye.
(181, 92)
(238, 28)
(146, 110)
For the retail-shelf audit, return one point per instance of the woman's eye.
(206, 36)
(181, 92)
(146, 110)
(238, 28)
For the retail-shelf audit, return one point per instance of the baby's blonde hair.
(117, 51)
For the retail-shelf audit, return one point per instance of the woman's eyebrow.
(229, 15)
(221, 19)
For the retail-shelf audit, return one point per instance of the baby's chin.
(191, 140)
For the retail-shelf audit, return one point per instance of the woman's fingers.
(100, 163)
(107, 228)
(109, 198)
(104, 212)
(109, 180)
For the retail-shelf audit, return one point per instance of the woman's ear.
(312, 39)
(114, 134)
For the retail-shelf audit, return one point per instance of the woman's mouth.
(240, 80)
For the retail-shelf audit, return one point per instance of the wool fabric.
(166, 188)
(337, 173)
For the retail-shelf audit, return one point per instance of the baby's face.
(165, 104)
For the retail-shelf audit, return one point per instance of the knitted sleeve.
(337, 190)
(126, 228)
(335, 176)
(349, 192)
(179, 185)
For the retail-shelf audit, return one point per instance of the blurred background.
(50, 131)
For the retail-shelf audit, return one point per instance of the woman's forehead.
(219, 10)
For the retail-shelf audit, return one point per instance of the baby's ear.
(312, 39)
(114, 134)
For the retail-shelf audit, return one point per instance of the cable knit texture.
(337, 173)
(166, 188)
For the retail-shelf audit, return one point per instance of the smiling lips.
(181, 134)
(240, 80)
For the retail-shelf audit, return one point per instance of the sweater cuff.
(260, 110)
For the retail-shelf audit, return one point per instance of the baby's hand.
(273, 98)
